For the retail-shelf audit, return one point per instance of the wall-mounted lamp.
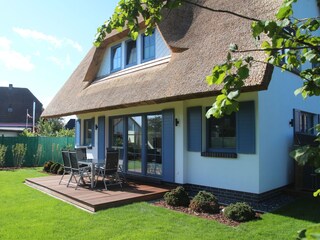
(96, 126)
(177, 122)
(291, 123)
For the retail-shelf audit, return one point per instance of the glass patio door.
(134, 148)
(154, 145)
(139, 141)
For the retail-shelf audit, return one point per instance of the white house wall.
(276, 110)
(241, 174)
(276, 134)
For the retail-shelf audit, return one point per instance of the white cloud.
(74, 44)
(13, 59)
(27, 33)
(62, 63)
(4, 43)
(37, 53)
(52, 40)
(4, 83)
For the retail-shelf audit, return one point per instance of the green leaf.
(243, 72)
(298, 91)
(233, 47)
(238, 63)
(229, 56)
(266, 45)
(284, 12)
(314, 25)
(134, 35)
(209, 79)
(257, 28)
(233, 94)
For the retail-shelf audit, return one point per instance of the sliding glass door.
(134, 149)
(154, 145)
(139, 141)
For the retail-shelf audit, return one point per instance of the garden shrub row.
(206, 202)
(53, 167)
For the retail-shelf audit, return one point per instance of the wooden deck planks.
(97, 199)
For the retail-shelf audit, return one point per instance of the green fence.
(39, 149)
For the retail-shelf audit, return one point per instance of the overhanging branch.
(222, 11)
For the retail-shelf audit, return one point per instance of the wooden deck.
(99, 198)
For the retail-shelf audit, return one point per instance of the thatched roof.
(198, 38)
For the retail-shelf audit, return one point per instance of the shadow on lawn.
(303, 208)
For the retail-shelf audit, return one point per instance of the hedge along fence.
(39, 149)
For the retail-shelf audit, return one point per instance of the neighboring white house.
(148, 99)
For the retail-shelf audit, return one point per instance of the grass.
(26, 213)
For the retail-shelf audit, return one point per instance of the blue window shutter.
(194, 128)
(168, 145)
(93, 130)
(101, 138)
(246, 140)
(296, 120)
(78, 132)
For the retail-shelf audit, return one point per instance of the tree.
(52, 127)
(289, 39)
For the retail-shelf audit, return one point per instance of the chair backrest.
(66, 159)
(81, 153)
(112, 161)
(73, 160)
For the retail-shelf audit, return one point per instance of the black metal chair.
(82, 172)
(81, 153)
(66, 164)
(121, 167)
(109, 172)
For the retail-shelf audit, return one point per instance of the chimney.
(10, 86)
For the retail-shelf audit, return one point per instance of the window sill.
(134, 68)
(219, 154)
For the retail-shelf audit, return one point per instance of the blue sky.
(42, 42)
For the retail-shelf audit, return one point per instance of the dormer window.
(131, 53)
(148, 47)
(116, 58)
(124, 55)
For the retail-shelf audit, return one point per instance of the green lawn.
(26, 213)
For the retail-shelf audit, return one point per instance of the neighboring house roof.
(70, 124)
(14, 103)
(198, 39)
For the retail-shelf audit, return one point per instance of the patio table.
(91, 164)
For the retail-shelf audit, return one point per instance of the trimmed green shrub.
(3, 150)
(177, 197)
(205, 202)
(240, 212)
(54, 168)
(19, 151)
(60, 170)
(47, 166)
